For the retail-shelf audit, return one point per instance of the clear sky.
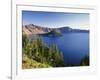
(56, 19)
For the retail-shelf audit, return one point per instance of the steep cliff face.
(32, 29)
(35, 29)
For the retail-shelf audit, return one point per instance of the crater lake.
(73, 45)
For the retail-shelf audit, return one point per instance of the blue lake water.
(74, 45)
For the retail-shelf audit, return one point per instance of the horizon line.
(55, 27)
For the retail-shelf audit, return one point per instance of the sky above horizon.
(56, 19)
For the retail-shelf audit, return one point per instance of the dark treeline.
(85, 61)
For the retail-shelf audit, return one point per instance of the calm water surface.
(74, 46)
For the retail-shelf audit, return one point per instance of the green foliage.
(38, 51)
(55, 56)
(30, 63)
(24, 40)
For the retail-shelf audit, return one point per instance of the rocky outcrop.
(32, 29)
